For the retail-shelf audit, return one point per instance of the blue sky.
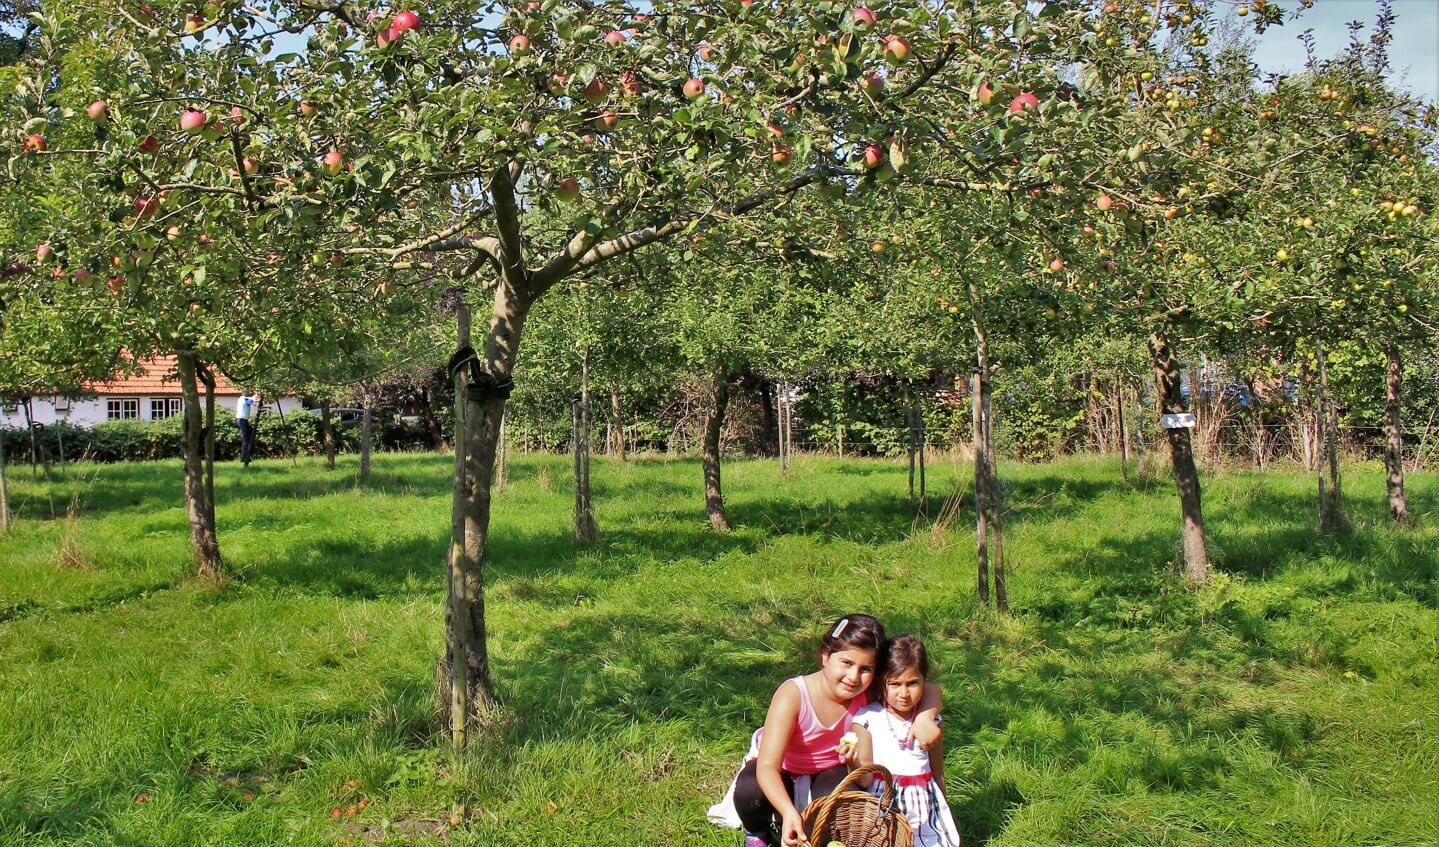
(1413, 54)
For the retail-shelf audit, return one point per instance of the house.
(149, 396)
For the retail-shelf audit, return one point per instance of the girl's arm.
(778, 727)
(863, 752)
(925, 729)
(936, 762)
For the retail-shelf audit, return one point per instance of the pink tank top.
(812, 745)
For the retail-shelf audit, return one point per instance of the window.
(122, 410)
(165, 407)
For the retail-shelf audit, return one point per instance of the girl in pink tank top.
(804, 733)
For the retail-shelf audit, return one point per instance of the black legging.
(756, 812)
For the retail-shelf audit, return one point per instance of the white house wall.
(88, 412)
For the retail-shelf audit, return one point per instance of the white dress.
(923, 799)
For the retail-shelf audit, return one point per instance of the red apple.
(1056, 265)
(872, 85)
(1022, 102)
(150, 145)
(146, 207)
(405, 21)
(384, 287)
(193, 120)
(596, 91)
(309, 108)
(694, 87)
(629, 83)
(606, 121)
(863, 18)
(519, 44)
(83, 275)
(98, 111)
(333, 162)
(896, 50)
(249, 165)
(43, 252)
(172, 233)
(614, 38)
(1103, 202)
(237, 116)
(567, 190)
(194, 23)
(781, 154)
(35, 143)
(558, 83)
(873, 156)
(212, 131)
(705, 52)
(387, 36)
(116, 284)
(986, 94)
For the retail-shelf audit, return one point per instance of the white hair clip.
(839, 628)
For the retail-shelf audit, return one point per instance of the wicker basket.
(859, 818)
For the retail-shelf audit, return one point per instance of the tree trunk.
(909, 438)
(1394, 436)
(327, 434)
(586, 528)
(199, 502)
(1331, 503)
(208, 380)
(483, 383)
(981, 485)
(617, 445)
(4, 491)
(36, 461)
(784, 434)
(1181, 453)
(1123, 423)
(714, 427)
(367, 432)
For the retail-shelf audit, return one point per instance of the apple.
(519, 44)
(387, 36)
(876, 246)
(98, 111)
(705, 52)
(192, 121)
(872, 85)
(36, 143)
(146, 207)
(172, 233)
(333, 162)
(237, 116)
(1056, 265)
(873, 156)
(150, 145)
(567, 190)
(194, 23)
(781, 154)
(629, 83)
(384, 288)
(896, 50)
(212, 131)
(405, 21)
(694, 87)
(606, 121)
(1023, 101)
(615, 38)
(309, 108)
(986, 94)
(558, 83)
(596, 91)
(43, 252)
(1103, 202)
(863, 18)
(82, 275)
(249, 165)
(116, 284)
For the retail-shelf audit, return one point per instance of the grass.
(1294, 700)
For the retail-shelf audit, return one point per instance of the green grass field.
(1293, 701)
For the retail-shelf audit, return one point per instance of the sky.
(1413, 54)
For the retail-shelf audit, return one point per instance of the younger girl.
(807, 718)
(918, 773)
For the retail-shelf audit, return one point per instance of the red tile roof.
(158, 378)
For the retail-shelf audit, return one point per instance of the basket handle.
(852, 779)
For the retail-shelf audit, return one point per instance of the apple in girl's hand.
(848, 742)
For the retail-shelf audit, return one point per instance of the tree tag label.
(1183, 420)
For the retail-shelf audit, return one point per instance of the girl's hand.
(925, 731)
(848, 749)
(792, 830)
